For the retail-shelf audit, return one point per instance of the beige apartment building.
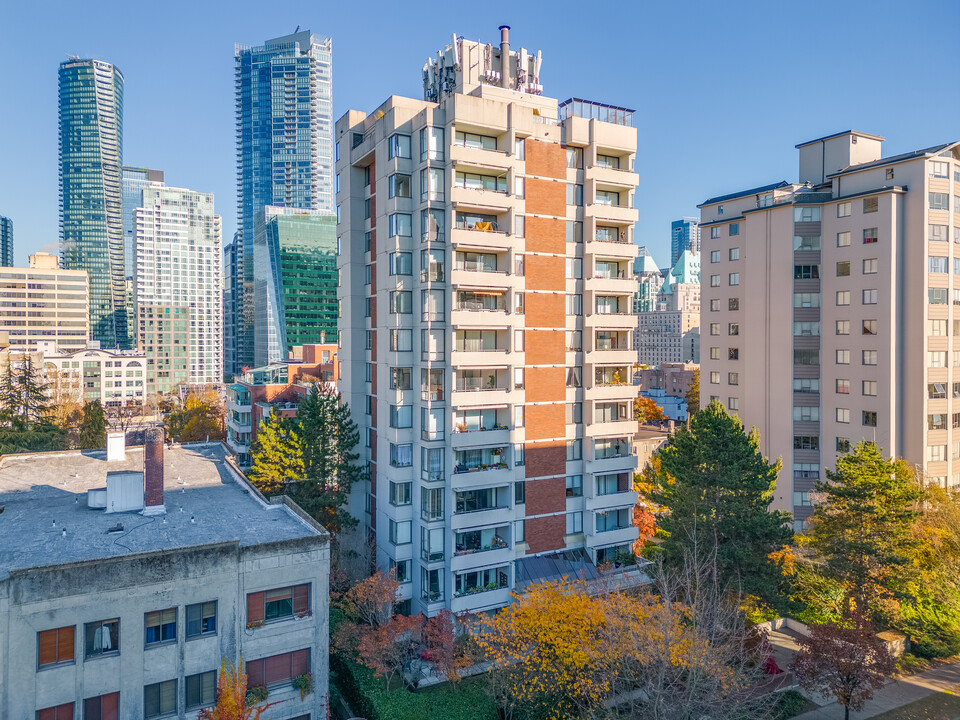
(44, 303)
(486, 253)
(832, 311)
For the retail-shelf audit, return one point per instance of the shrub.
(910, 664)
(789, 703)
(934, 631)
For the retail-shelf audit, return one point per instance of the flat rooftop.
(206, 503)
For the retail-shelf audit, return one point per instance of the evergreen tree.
(862, 529)
(93, 427)
(329, 437)
(277, 456)
(693, 394)
(715, 489)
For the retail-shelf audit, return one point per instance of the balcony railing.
(469, 469)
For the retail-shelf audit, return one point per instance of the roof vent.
(116, 528)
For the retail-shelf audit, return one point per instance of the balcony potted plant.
(256, 695)
(304, 683)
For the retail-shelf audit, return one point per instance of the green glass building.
(91, 204)
(295, 281)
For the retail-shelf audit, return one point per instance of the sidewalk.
(894, 694)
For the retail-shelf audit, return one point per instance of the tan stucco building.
(829, 314)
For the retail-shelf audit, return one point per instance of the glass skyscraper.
(284, 147)
(684, 235)
(295, 281)
(91, 204)
(6, 242)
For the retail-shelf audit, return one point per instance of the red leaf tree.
(845, 660)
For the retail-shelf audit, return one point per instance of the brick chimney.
(153, 472)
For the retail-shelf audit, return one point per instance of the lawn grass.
(940, 706)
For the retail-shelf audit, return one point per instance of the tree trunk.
(846, 712)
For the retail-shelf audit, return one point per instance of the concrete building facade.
(830, 299)
(129, 575)
(179, 269)
(670, 331)
(114, 377)
(486, 326)
(43, 303)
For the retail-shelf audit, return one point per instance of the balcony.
(481, 601)
(470, 236)
(619, 427)
(492, 556)
(624, 320)
(479, 518)
(612, 214)
(480, 199)
(499, 434)
(625, 462)
(620, 178)
(619, 284)
(479, 157)
(612, 537)
(613, 500)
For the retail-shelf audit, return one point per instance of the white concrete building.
(179, 262)
(832, 311)
(486, 247)
(124, 582)
(114, 377)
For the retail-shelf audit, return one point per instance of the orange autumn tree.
(644, 512)
(646, 410)
(232, 697)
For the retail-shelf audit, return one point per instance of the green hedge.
(368, 697)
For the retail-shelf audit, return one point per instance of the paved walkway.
(894, 694)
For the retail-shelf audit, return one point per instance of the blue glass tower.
(6, 242)
(91, 205)
(684, 235)
(284, 147)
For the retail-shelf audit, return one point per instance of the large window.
(201, 689)
(401, 340)
(161, 626)
(400, 532)
(476, 181)
(401, 493)
(101, 707)
(612, 520)
(102, 636)
(939, 201)
(431, 504)
(56, 646)
(398, 186)
(432, 144)
(398, 146)
(277, 604)
(468, 501)
(160, 699)
(277, 668)
(806, 214)
(401, 263)
(475, 141)
(401, 224)
(401, 416)
(433, 225)
(431, 544)
(401, 455)
(401, 302)
(431, 584)
(476, 581)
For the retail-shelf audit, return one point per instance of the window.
(400, 493)
(519, 148)
(806, 214)
(868, 388)
(160, 699)
(806, 414)
(939, 201)
(519, 493)
(400, 378)
(734, 279)
(843, 297)
(401, 340)
(608, 484)
(398, 186)
(401, 263)
(519, 227)
(714, 353)
(277, 668)
(161, 626)
(102, 637)
(715, 305)
(843, 387)
(714, 281)
(400, 532)
(715, 256)
(401, 570)
(401, 416)
(574, 485)
(733, 328)
(401, 302)
(432, 305)
(202, 619)
(573, 340)
(869, 327)
(574, 194)
(937, 233)
(714, 378)
(574, 304)
(55, 646)
(806, 357)
(277, 604)
(869, 297)
(431, 544)
(843, 239)
(936, 359)
(806, 385)
(936, 453)
(574, 377)
(733, 303)
(475, 141)
(870, 236)
(574, 268)
(733, 403)
(806, 329)
(869, 418)
(574, 231)
(734, 230)
(806, 442)
(102, 707)
(398, 146)
(870, 266)
(714, 328)
(939, 169)
(937, 264)
(807, 300)
(733, 378)
(937, 421)
(574, 523)
(806, 272)
(431, 144)
(937, 296)
(401, 224)
(733, 353)
(714, 232)
(871, 204)
(869, 357)
(574, 450)
(843, 444)
(201, 689)
(401, 455)
(433, 225)
(843, 209)
(843, 327)
(843, 357)
(937, 391)
(431, 584)
(806, 242)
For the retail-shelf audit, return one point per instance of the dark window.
(278, 604)
(102, 637)
(201, 689)
(102, 707)
(160, 699)
(161, 626)
(60, 712)
(55, 646)
(277, 668)
(202, 619)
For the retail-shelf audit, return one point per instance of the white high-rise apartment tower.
(179, 266)
(831, 310)
(486, 253)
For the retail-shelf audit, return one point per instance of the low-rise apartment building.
(128, 576)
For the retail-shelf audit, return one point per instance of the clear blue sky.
(723, 90)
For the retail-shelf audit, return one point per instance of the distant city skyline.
(180, 112)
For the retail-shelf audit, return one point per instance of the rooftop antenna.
(297, 30)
